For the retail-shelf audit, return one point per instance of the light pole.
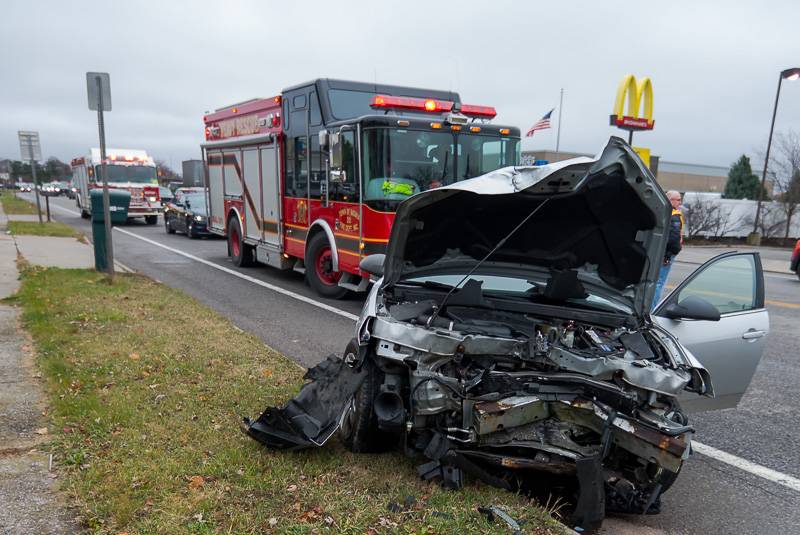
(788, 74)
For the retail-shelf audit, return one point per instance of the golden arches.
(634, 90)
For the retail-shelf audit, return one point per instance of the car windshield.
(399, 163)
(195, 200)
(140, 174)
(515, 287)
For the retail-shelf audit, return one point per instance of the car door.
(178, 216)
(730, 348)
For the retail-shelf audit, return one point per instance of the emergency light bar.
(474, 110)
(410, 103)
(430, 105)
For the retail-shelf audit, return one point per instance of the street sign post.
(98, 89)
(31, 151)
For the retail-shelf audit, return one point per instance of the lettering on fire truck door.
(270, 178)
(251, 193)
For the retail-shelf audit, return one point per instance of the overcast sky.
(714, 66)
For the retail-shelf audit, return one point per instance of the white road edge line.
(747, 466)
(235, 273)
(737, 462)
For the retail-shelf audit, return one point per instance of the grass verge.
(51, 228)
(147, 388)
(14, 205)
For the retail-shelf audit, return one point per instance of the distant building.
(670, 175)
(192, 173)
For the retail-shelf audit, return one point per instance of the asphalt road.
(709, 497)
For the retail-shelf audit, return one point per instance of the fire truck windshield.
(400, 163)
(140, 174)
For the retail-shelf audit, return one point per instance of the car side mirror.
(188, 204)
(373, 264)
(692, 308)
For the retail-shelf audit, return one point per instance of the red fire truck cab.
(310, 179)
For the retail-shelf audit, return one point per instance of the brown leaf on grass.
(41, 431)
(196, 482)
(266, 374)
(291, 488)
(134, 356)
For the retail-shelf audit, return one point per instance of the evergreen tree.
(742, 182)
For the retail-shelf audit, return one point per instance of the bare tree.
(786, 168)
(772, 222)
(708, 218)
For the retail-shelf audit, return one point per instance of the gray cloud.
(714, 65)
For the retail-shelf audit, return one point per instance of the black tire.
(359, 430)
(241, 253)
(151, 219)
(85, 214)
(316, 246)
(168, 226)
(189, 233)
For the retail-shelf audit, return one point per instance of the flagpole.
(558, 133)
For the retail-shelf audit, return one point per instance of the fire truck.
(310, 179)
(129, 169)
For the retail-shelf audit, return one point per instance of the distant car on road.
(794, 265)
(187, 214)
(51, 189)
(166, 195)
(25, 186)
(180, 192)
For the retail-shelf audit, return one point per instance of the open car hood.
(605, 218)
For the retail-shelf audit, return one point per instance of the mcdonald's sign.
(634, 90)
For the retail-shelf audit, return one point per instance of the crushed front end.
(509, 338)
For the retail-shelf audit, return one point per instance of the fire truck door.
(252, 194)
(270, 195)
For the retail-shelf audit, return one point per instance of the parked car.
(25, 186)
(187, 214)
(509, 335)
(794, 265)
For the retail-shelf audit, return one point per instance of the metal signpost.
(98, 88)
(31, 151)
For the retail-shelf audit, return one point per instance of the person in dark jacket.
(674, 244)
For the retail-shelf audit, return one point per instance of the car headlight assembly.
(198, 218)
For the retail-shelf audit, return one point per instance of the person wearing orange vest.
(674, 244)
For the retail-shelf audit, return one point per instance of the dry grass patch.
(147, 389)
(50, 228)
(14, 205)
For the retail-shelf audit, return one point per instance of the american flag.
(541, 124)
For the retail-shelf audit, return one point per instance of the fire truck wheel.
(241, 253)
(151, 219)
(168, 225)
(319, 268)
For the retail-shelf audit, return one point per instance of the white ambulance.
(128, 169)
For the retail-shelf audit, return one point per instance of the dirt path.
(30, 500)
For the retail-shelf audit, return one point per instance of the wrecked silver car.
(509, 336)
